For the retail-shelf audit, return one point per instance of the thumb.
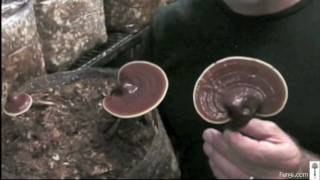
(261, 130)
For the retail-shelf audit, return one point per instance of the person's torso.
(192, 34)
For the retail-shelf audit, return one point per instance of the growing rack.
(122, 45)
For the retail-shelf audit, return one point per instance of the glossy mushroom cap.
(239, 88)
(142, 87)
(17, 105)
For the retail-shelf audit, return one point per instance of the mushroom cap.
(143, 87)
(238, 75)
(18, 104)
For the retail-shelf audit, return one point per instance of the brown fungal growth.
(17, 104)
(237, 89)
(141, 88)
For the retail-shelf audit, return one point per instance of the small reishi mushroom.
(237, 89)
(17, 104)
(141, 87)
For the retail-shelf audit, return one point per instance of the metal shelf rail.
(132, 41)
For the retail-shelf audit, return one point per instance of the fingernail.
(231, 136)
(208, 134)
(227, 133)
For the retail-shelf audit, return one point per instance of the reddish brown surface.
(18, 104)
(143, 86)
(239, 79)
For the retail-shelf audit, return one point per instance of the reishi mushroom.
(236, 89)
(17, 104)
(141, 87)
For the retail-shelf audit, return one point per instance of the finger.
(229, 169)
(247, 157)
(207, 149)
(208, 135)
(274, 144)
(216, 140)
(263, 130)
(216, 171)
(259, 155)
(242, 145)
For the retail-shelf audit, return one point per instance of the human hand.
(260, 150)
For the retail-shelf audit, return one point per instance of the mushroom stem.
(124, 87)
(242, 105)
(140, 87)
(113, 129)
(235, 89)
(44, 103)
(11, 97)
(117, 90)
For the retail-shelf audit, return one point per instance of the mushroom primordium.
(236, 89)
(17, 104)
(141, 87)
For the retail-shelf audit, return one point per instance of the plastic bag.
(21, 54)
(69, 28)
(4, 92)
(121, 14)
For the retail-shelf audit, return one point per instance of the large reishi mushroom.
(141, 87)
(237, 89)
(17, 104)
